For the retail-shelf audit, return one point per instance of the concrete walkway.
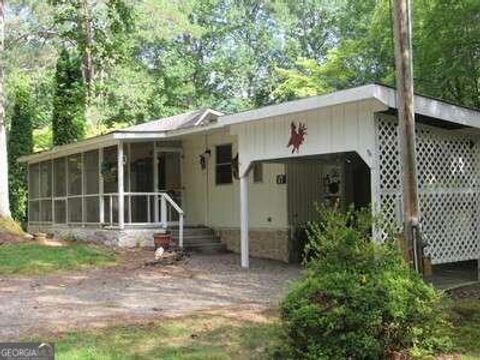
(132, 292)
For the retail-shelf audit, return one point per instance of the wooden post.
(163, 212)
(406, 119)
(244, 221)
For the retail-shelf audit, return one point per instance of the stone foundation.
(264, 243)
(109, 237)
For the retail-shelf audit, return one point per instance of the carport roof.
(387, 96)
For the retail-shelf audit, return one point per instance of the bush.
(358, 299)
(20, 142)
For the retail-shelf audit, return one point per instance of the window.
(257, 172)
(223, 164)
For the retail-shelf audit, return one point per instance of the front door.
(170, 176)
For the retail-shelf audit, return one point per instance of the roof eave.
(69, 149)
(379, 93)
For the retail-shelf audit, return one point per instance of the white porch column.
(155, 184)
(101, 200)
(121, 199)
(244, 220)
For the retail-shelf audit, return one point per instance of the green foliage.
(69, 101)
(147, 59)
(358, 299)
(20, 142)
(31, 258)
(308, 80)
(447, 60)
(42, 138)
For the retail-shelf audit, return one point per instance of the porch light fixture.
(204, 158)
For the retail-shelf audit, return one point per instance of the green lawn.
(220, 337)
(194, 337)
(466, 328)
(36, 259)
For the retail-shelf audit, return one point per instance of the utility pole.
(406, 119)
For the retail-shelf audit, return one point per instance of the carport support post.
(121, 199)
(244, 220)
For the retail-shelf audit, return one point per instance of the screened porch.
(128, 184)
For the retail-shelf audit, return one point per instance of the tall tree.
(97, 29)
(20, 142)
(447, 49)
(4, 202)
(68, 118)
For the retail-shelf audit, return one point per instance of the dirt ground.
(133, 293)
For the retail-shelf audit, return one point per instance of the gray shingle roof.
(181, 121)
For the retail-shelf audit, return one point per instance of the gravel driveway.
(132, 292)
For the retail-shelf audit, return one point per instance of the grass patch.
(218, 337)
(36, 259)
(193, 337)
(465, 315)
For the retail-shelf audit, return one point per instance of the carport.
(363, 122)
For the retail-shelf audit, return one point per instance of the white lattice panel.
(448, 180)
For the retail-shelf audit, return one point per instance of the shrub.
(358, 299)
(20, 142)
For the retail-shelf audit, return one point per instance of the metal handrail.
(164, 198)
(173, 203)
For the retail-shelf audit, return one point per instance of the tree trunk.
(87, 51)
(4, 203)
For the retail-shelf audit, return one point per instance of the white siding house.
(254, 177)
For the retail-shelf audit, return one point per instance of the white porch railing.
(152, 209)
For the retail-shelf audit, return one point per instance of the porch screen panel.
(46, 191)
(60, 216)
(34, 210)
(111, 209)
(75, 210)
(34, 192)
(141, 167)
(92, 209)
(46, 211)
(75, 174)
(59, 190)
(90, 163)
(60, 172)
(448, 166)
(34, 181)
(46, 179)
(109, 170)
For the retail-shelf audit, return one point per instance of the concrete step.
(207, 248)
(199, 239)
(192, 231)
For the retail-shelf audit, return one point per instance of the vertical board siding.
(219, 205)
(341, 128)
